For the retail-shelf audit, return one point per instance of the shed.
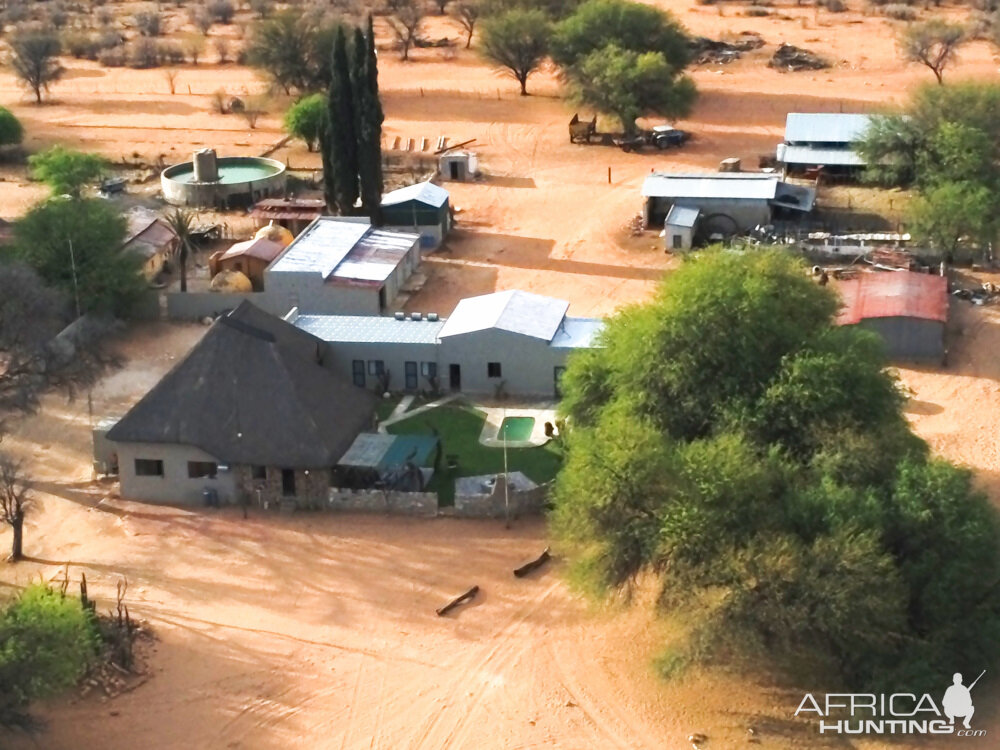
(295, 214)
(422, 208)
(151, 237)
(459, 166)
(249, 258)
(908, 310)
(679, 227)
(822, 140)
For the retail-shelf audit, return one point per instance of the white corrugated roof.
(577, 333)
(731, 185)
(321, 247)
(370, 329)
(682, 216)
(423, 192)
(515, 311)
(819, 156)
(825, 127)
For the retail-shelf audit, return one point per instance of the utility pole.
(506, 478)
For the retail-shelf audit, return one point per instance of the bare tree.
(171, 77)
(38, 352)
(14, 499)
(194, 46)
(933, 43)
(221, 49)
(253, 108)
(34, 58)
(467, 13)
(441, 5)
(405, 22)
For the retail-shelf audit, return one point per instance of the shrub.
(221, 45)
(11, 131)
(105, 16)
(47, 640)
(835, 6)
(200, 19)
(57, 15)
(143, 53)
(221, 11)
(170, 52)
(80, 45)
(756, 12)
(113, 57)
(148, 22)
(220, 102)
(899, 12)
(16, 13)
(261, 7)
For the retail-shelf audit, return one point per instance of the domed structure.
(231, 281)
(275, 233)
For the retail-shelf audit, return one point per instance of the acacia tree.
(467, 13)
(630, 85)
(405, 22)
(783, 504)
(66, 170)
(34, 58)
(32, 362)
(517, 41)
(15, 493)
(933, 43)
(305, 119)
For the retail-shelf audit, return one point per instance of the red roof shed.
(900, 294)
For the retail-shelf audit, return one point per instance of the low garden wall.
(522, 503)
(377, 501)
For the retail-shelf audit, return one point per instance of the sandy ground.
(318, 631)
(545, 205)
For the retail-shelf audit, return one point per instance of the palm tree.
(181, 222)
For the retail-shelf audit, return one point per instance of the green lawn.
(385, 406)
(459, 427)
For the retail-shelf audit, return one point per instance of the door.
(557, 377)
(288, 482)
(455, 377)
(358, 372)
(410, 371)
(454, 166)
(381, 299)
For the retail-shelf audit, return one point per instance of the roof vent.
(432, 317)
(401, 316)
(415, 316)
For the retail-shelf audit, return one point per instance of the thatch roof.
(248, 396)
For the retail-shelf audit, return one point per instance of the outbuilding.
(423, 208)
(459, 166)
(149, 236)
(908, 310)
(249, 258)
(826, 140)
(728, 203)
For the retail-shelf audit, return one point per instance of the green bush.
(899, 12)
(11, 132)
(47, 640)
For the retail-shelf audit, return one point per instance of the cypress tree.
(340, 147)
(368, 122)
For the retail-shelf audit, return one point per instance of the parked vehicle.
(581, 131)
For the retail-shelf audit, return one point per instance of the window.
(429, 369)
(410, 372)
(202, 469)
(258, 472)
(148, 467)
(376, 367)
(493, 370)
(358, 372)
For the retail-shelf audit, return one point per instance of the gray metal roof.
(334, 247)
(819, 156)
(367, 450)
(514, 311)
(832, 127)
(682, 216)
(370, 329)
(422, 192)
(726, 185)
(577, 333)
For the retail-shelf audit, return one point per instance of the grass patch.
(459, 426)
(385, 406)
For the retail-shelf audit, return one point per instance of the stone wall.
(522, 503)
(376, 501)
(311, 487)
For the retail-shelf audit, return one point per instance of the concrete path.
(400, 413)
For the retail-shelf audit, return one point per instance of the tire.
(626, 148)
(663, 144)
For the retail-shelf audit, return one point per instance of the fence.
(521, 503)
(198, 305)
